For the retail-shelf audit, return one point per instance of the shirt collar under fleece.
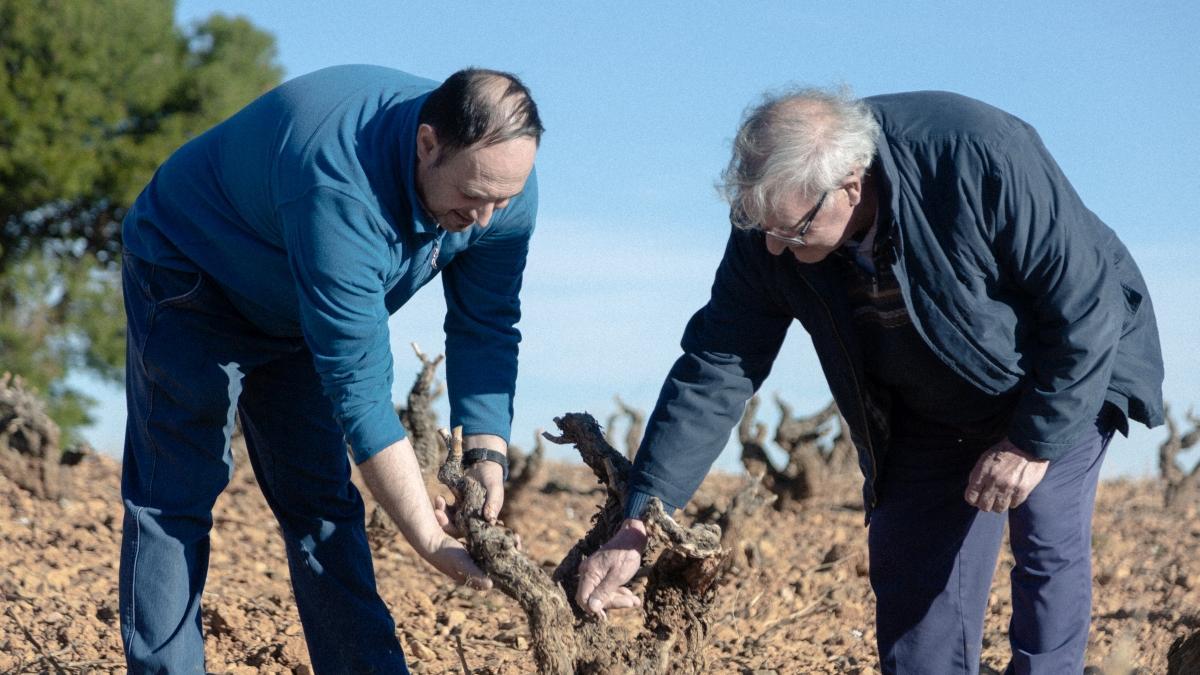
(867, 249)
(422, 222)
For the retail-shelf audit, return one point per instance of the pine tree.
(93, 97)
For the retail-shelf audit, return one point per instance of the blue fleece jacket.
(303, 208)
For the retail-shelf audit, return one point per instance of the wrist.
(632, 534)
(636, 524)
(430, 543)
(486, 441)
(1006, 445)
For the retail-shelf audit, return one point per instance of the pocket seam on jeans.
(186, 296)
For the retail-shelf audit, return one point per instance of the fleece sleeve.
(482, 286)
(338, 254)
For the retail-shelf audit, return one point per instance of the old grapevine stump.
(565, 639)
(29, 450)
(418, 416)
(812, 457)
(1180, 485)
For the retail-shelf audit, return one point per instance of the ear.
(853, 185)
(428, 147)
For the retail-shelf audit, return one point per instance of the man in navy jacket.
(982, 332)
(262, 263)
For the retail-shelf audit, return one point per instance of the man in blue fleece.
(982, 332)
(261, 265)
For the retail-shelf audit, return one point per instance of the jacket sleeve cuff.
(1040, 449)
(371, 436)
(637, 501)
(482, 413)
(487, 430)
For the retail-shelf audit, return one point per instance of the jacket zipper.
(862, 405)
(437, 248)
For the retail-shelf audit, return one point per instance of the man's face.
(467, 187)
(831, 225)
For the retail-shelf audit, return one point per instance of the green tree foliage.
(93, 97)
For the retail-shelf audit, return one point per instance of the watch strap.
(475, 455)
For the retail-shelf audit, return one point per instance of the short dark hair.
(479, 107)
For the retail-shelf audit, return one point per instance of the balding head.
(479, 108)
(802, 141)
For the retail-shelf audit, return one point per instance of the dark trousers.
(933, 557)
(193, 363)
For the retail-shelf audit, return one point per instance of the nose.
(483, 214)
(774, 246)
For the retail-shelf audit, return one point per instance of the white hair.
(805, 140)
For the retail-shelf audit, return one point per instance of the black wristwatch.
(481, 454)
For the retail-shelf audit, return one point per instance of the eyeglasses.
(795, 235)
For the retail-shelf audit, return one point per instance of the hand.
(449, 557)
(491, 476)
(394, 478)
(1003, 478)
(603, 575)
(444, 512)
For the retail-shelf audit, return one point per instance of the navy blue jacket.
(303, 208)
(1008, 278)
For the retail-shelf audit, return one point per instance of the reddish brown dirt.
(806, 608)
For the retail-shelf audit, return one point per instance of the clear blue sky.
(640, 101)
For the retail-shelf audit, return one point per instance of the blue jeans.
(933, 557)
(193, 363)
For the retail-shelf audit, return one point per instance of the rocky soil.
(804, 607)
